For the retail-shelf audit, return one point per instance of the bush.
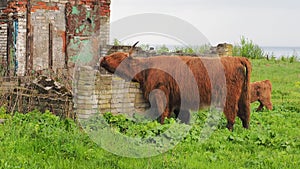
(163, 49)
(117, 42)
(194, 49)
(248, 49)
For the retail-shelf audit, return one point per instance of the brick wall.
(49, 16)
(96, 92)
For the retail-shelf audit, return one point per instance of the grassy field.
(36, 140)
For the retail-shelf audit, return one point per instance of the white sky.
(266, 22)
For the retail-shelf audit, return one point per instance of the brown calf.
(261, 92)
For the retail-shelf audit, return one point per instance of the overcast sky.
(266, 22)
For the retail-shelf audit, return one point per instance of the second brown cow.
(261, 92)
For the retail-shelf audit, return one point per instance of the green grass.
(36, 140)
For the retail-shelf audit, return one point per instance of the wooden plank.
(29, 31)
(10, 46)
(50, 59)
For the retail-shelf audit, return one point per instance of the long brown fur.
(261, 92)
(237, 78)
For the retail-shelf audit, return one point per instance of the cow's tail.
(248, 69)
(244, 101)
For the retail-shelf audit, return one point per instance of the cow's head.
(112, 61)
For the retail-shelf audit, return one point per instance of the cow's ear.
(132, 49)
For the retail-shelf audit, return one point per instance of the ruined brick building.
(48, 34)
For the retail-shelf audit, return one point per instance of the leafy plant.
(193, 49)
(144, 47)
(162, 49)
(3, 113)
(293, 59)
(117, 42)
(247, 48)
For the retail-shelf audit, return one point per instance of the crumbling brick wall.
(47, 42)
(95, 92)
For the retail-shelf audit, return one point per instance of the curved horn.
(133, 46)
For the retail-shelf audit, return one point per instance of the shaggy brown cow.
(167, 85)
(261, 91)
